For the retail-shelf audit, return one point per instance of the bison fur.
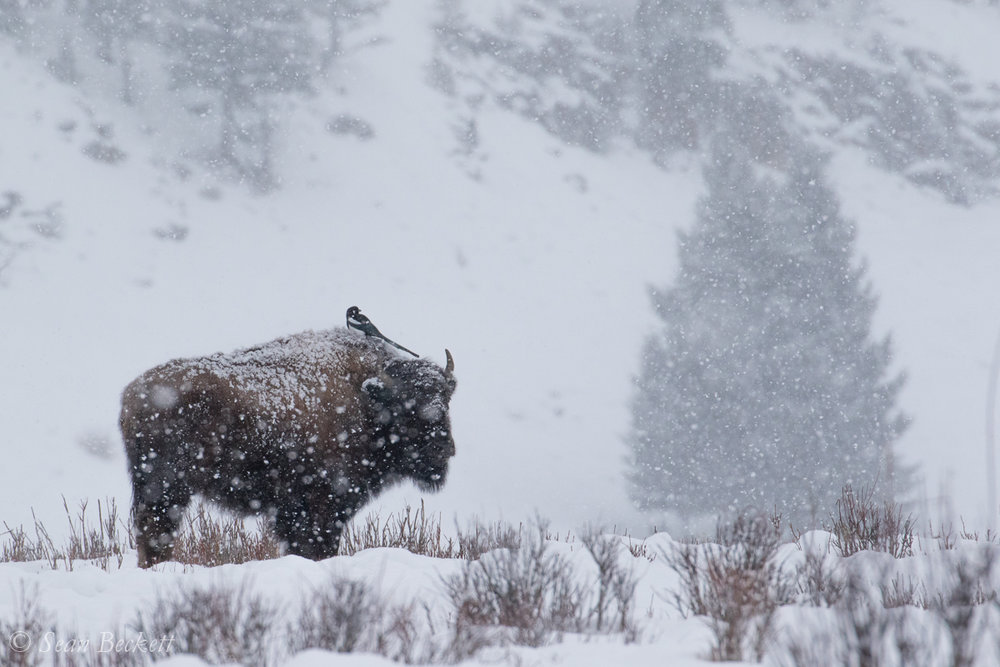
(304, 429)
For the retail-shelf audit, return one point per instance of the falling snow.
(509, 180)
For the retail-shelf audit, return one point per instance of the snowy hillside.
(522, 285)
(526, 254)
(497, 270)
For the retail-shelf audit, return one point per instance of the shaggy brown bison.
(304, 429)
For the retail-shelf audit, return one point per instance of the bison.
(304, 429)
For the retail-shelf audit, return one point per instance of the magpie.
(356, 320)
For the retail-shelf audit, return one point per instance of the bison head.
(409, 400)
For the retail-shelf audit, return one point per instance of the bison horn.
(449, 366)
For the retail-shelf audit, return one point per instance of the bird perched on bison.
(305, 429)
(360, 322)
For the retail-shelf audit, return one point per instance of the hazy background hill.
(504, 179)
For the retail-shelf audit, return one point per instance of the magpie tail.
(400, 347)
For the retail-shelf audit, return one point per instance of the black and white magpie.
(356, 320)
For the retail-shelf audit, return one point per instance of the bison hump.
(290, 372)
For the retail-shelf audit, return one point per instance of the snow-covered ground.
(821, 608)
(89, 601)
(534, 275)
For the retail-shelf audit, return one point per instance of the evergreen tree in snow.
(63, 66)
(764, 387)
(242, 51)
(12, 18)
(678, 45)
(113, 24)
(339, 16)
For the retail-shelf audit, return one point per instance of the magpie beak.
(356, 320)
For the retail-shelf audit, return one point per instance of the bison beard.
(305, 429)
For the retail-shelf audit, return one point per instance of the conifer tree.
(12, 18)
(764, 387)
(679, 44)
(112, 24)
(242, 51)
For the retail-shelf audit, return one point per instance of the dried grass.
(862, 524)
(210, 541)
(734, 583)
(104, 544)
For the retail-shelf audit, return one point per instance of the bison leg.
(310, 534)
(159, 498)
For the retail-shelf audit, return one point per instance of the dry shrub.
(337, 617)
(103, 544)
(877, 621)
(864, 624)
(989, 537)
(93, 658)
(857, 634)
(735, 583)
(19, 547)
(480, 538)
(862, 524)
(409, 529)
(902, 592)
(420, 533)
(963, 592)
(19, 635)
(615, 583)
(347, 616)
(945, 536)
(520, 596)
(21, 640)
(220, 623)
(210, 539)
(224, 624)
(820, 583)
(207, 540)
(686, 559)
(640, 549)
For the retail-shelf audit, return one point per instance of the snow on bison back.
(305, 429)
